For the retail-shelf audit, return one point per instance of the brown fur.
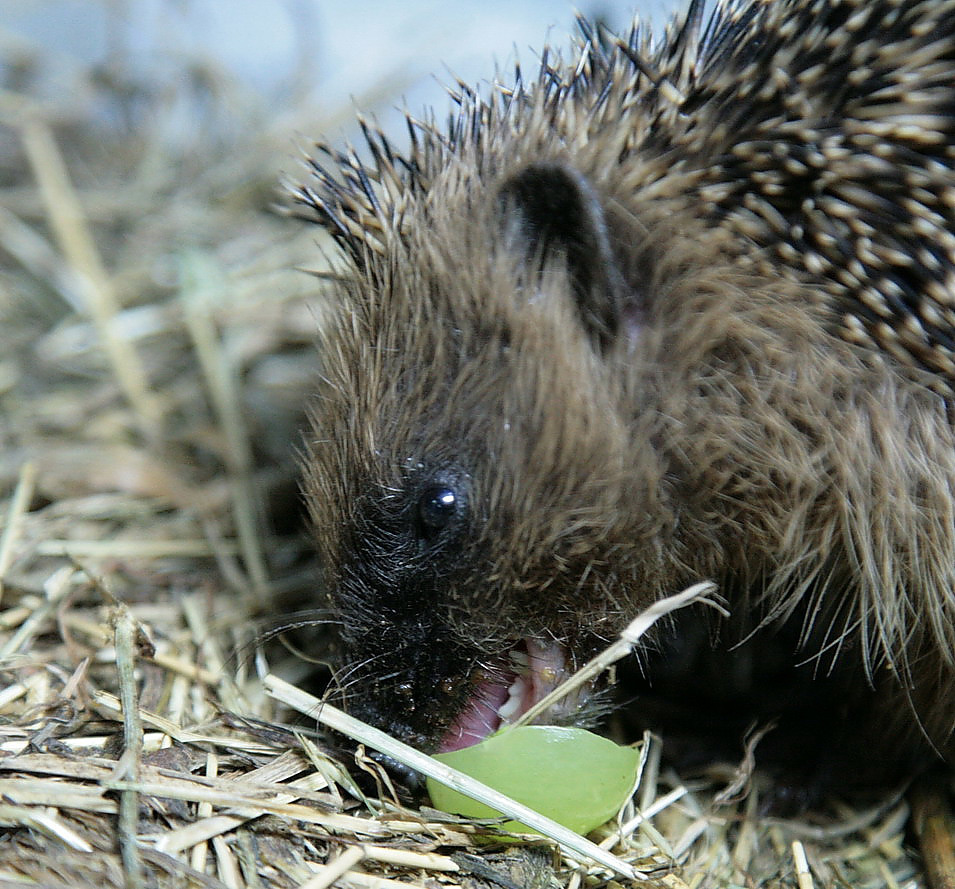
(728, 416)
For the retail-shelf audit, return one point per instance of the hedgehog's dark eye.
(438, 509)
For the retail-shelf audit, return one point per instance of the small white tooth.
(507, 710)
(512, 706)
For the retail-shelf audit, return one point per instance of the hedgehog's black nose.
(407, 777)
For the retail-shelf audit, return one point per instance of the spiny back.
(818, 133)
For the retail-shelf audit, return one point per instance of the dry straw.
(156, 343)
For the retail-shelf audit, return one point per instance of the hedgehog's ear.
(550, 212)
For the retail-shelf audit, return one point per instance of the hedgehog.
(668, 310)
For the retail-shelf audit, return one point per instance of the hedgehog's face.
(471, 470)
(407, 550)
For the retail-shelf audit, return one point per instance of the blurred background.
(282, 52)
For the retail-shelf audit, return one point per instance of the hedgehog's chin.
(534, 670)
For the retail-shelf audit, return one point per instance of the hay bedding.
(155, 349)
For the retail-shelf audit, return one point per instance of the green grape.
(573, 776)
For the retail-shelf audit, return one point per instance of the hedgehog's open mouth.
(534, 669)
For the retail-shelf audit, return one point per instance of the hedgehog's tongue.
(537, 669)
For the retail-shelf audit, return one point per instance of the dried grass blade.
(199, 292)
(426, 765)
(19, 504)
(71, 228)
(622, 647)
